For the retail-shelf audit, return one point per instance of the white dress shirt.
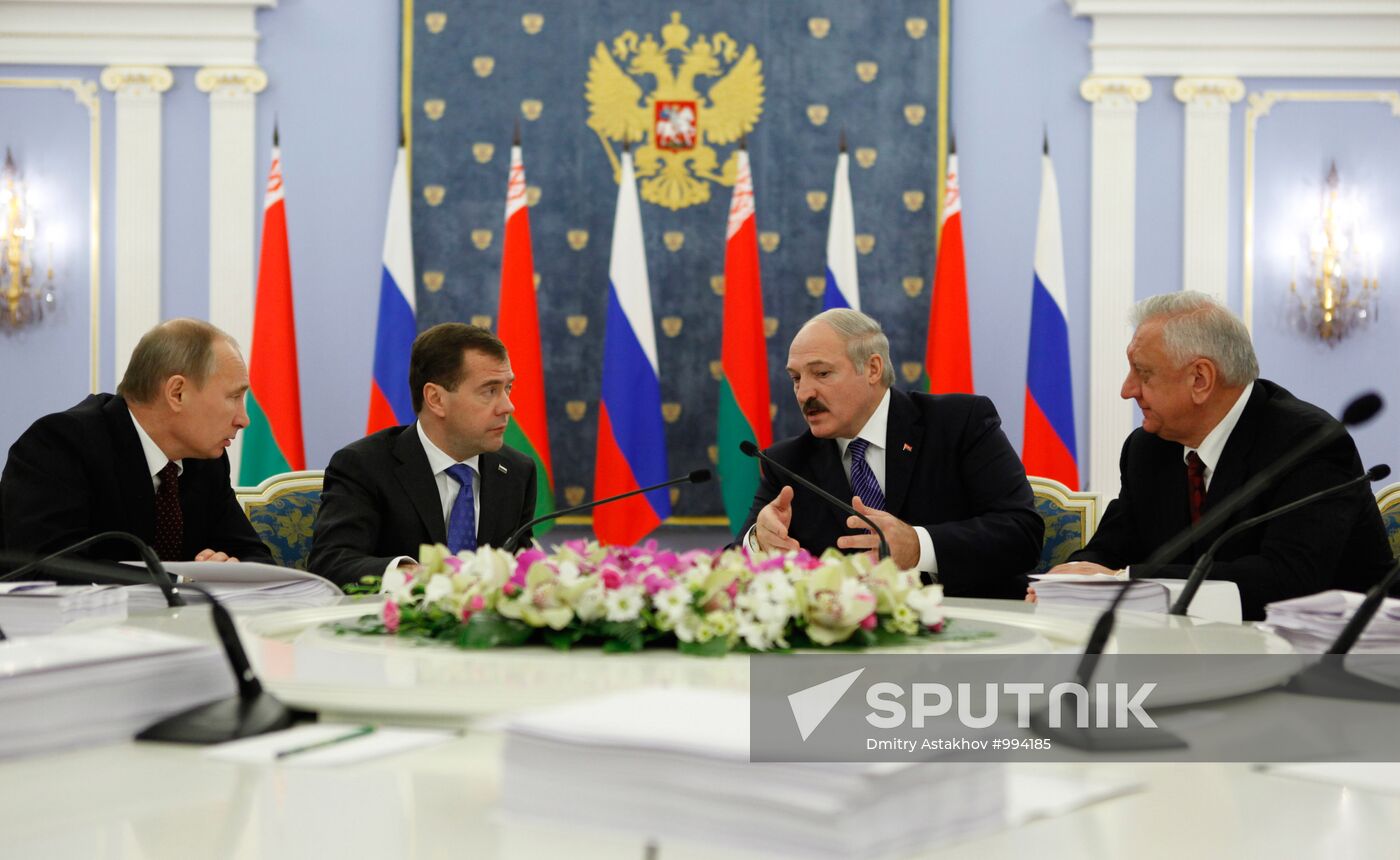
(875, 433)
(155, 458)
(1214, 444)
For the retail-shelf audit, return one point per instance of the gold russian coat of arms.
(677, 124)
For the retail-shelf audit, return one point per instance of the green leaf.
(489, 630)
(716, 647)
(564, 639)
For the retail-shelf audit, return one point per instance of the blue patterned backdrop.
(827, 66)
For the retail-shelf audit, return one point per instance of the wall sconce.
(1332, 306)
(22, 299)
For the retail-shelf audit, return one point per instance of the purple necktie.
(863, 481)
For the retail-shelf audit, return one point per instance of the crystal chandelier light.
(23, 300)
(1342, 294)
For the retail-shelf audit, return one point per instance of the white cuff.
(928, 562)
(398, 561)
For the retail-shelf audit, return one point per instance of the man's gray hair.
(1196, 325)
(863, 337)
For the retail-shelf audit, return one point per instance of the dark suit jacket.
(380, 500)
(1339, 542)
(948, 468)
(79, 472)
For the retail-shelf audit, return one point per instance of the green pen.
(348, 736)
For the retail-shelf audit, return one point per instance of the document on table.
(244, 585)
(1382, 776)
(327, 744)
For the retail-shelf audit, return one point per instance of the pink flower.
(466, 613)
(510, 589)
(477, 603)
(656, 582)
(391, 616)
(732, 588)
(454, 563)
(869, 622)
(523, 562)
(936, 628)
(611, 579)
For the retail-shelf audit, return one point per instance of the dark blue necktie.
(863, 481)
(461, 523)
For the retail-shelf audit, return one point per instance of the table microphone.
(253, 711)
(162, 579)
(699, 476)
(1201, 570)
(1329, 677)
(751, 450)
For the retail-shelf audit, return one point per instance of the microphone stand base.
(1107, 740)
(1330, 679)
(224, 720)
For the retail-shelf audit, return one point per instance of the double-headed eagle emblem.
(675, 122)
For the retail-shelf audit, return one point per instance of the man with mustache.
(936, 473)
(148, 460)
(447, 478)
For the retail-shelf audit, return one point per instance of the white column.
(138, 221)
(1206, 193)
(1111, 240)
(233, 196)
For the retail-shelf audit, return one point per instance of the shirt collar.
(1214, 444)
(437, 460)
(155, 458)
(874, 429)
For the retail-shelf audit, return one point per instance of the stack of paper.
(1216, 600)
(675, 763)
(1097, 590)
(29, 608)
(100, 686)
(244, 585)
(1312, 623)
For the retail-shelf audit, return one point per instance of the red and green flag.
(518, 327)
(948, 357)
(272, 443)
(743, 388)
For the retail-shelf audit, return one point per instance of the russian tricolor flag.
(389, 400)
(1048, 449)
(631, 434)
(842, 285)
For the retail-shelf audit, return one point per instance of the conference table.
(152, 800)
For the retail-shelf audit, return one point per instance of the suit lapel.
(132, 472)
(828, 474)
(495, 475)
(903, 432)
(416, 477)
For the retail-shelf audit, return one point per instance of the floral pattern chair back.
(1389, 500)
(1070, 518)
(282, 510)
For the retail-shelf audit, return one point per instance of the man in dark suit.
(1209, 424)
(935, 473)
(148, 460)
(448, 478)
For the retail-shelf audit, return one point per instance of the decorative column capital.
(231, 80)
(137, 80)
(1208, 92)
(1115, 89)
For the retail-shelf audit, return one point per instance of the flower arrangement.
(626, 598)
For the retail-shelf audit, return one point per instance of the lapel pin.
(908, 447)
(503, 468)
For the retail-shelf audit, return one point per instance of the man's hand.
(903, 540)
(213, 555)
(771, 528)
(1083, 568)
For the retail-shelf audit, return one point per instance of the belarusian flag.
(518, 327)
(272, 443)
(743, 390)
(948, 356)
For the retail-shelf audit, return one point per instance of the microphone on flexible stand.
(1358, 411)
(699, 476)
(253, 711)
(162, 579)
(751, 450)
(1201, 570)
(1329, 677)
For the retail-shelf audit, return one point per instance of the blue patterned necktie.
(461, 523)
(863, 481)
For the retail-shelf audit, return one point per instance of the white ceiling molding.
(1244, 38)
(123, 32)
